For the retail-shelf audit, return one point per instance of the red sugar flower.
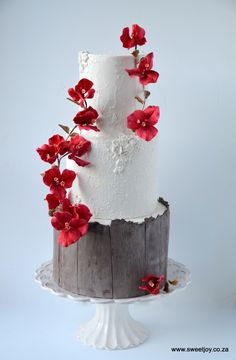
(55, 140)
(78, 146)
(71, 228)
(142, 121)
(83, 90)
(152, 284)
(137, 36)
(144, 72)
(52, 201)
(78, 210)
(58, 181)
(48, 152)
(86, 118)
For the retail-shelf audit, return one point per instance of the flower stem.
(144, 99)
(58, 161)
(75, 102)
(71, 132)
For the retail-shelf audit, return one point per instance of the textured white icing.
(115, 90)
(83, 60)
(122, 149)
(160, 209)
(121, 181)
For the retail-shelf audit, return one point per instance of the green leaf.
(146, 94)
(65, 128)
(173, 282)
(139, 99)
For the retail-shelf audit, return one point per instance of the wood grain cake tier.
(109, 261)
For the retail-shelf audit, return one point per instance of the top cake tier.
(114, 98)
(121, 180)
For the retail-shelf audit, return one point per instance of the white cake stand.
(112, 327)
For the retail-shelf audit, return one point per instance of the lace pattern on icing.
(83, 60)
(121, 151)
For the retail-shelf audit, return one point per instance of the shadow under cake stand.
(112, 327)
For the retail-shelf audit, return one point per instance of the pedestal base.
(112, 328)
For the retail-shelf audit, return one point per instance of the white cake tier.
(121, 181)
(114, 98)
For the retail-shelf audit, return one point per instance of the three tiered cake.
(123, 247)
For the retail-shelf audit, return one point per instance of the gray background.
(195, 53)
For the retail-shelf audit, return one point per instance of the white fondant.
(114, 98)
(121, 181)
(160, 209)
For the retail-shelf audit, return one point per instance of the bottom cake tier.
(110, 260)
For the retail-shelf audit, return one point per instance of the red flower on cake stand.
(112, 327)
(152, 284)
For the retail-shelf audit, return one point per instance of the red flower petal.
(55, 140)
(73, 94)
(150, 76)
(78, 161)
(153, 113)
(133, 72)
(52, 201)
(134, 119)
(47, 153)
(88, 127)
(126, 39)
(90, 94)
(152, 283)
(84, 212)
(138, 34)
(146, 63)
(67, 176)
(60, 218)
(79, 146)
(146, 133)
(50, 174)
(81, 225)
(149, 277)
(63, 147)
(83, 84)
(86, 116)
(58, 190)
(67, 238)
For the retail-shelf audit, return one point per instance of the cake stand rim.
(47, 283)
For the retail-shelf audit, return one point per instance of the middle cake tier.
(121, 180)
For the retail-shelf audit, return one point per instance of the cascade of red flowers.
(71, 220)
(141, 122)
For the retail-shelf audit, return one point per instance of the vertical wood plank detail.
(157, 244)
(111, 255)
(128, 249)
(94, 262)
(69, 267)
